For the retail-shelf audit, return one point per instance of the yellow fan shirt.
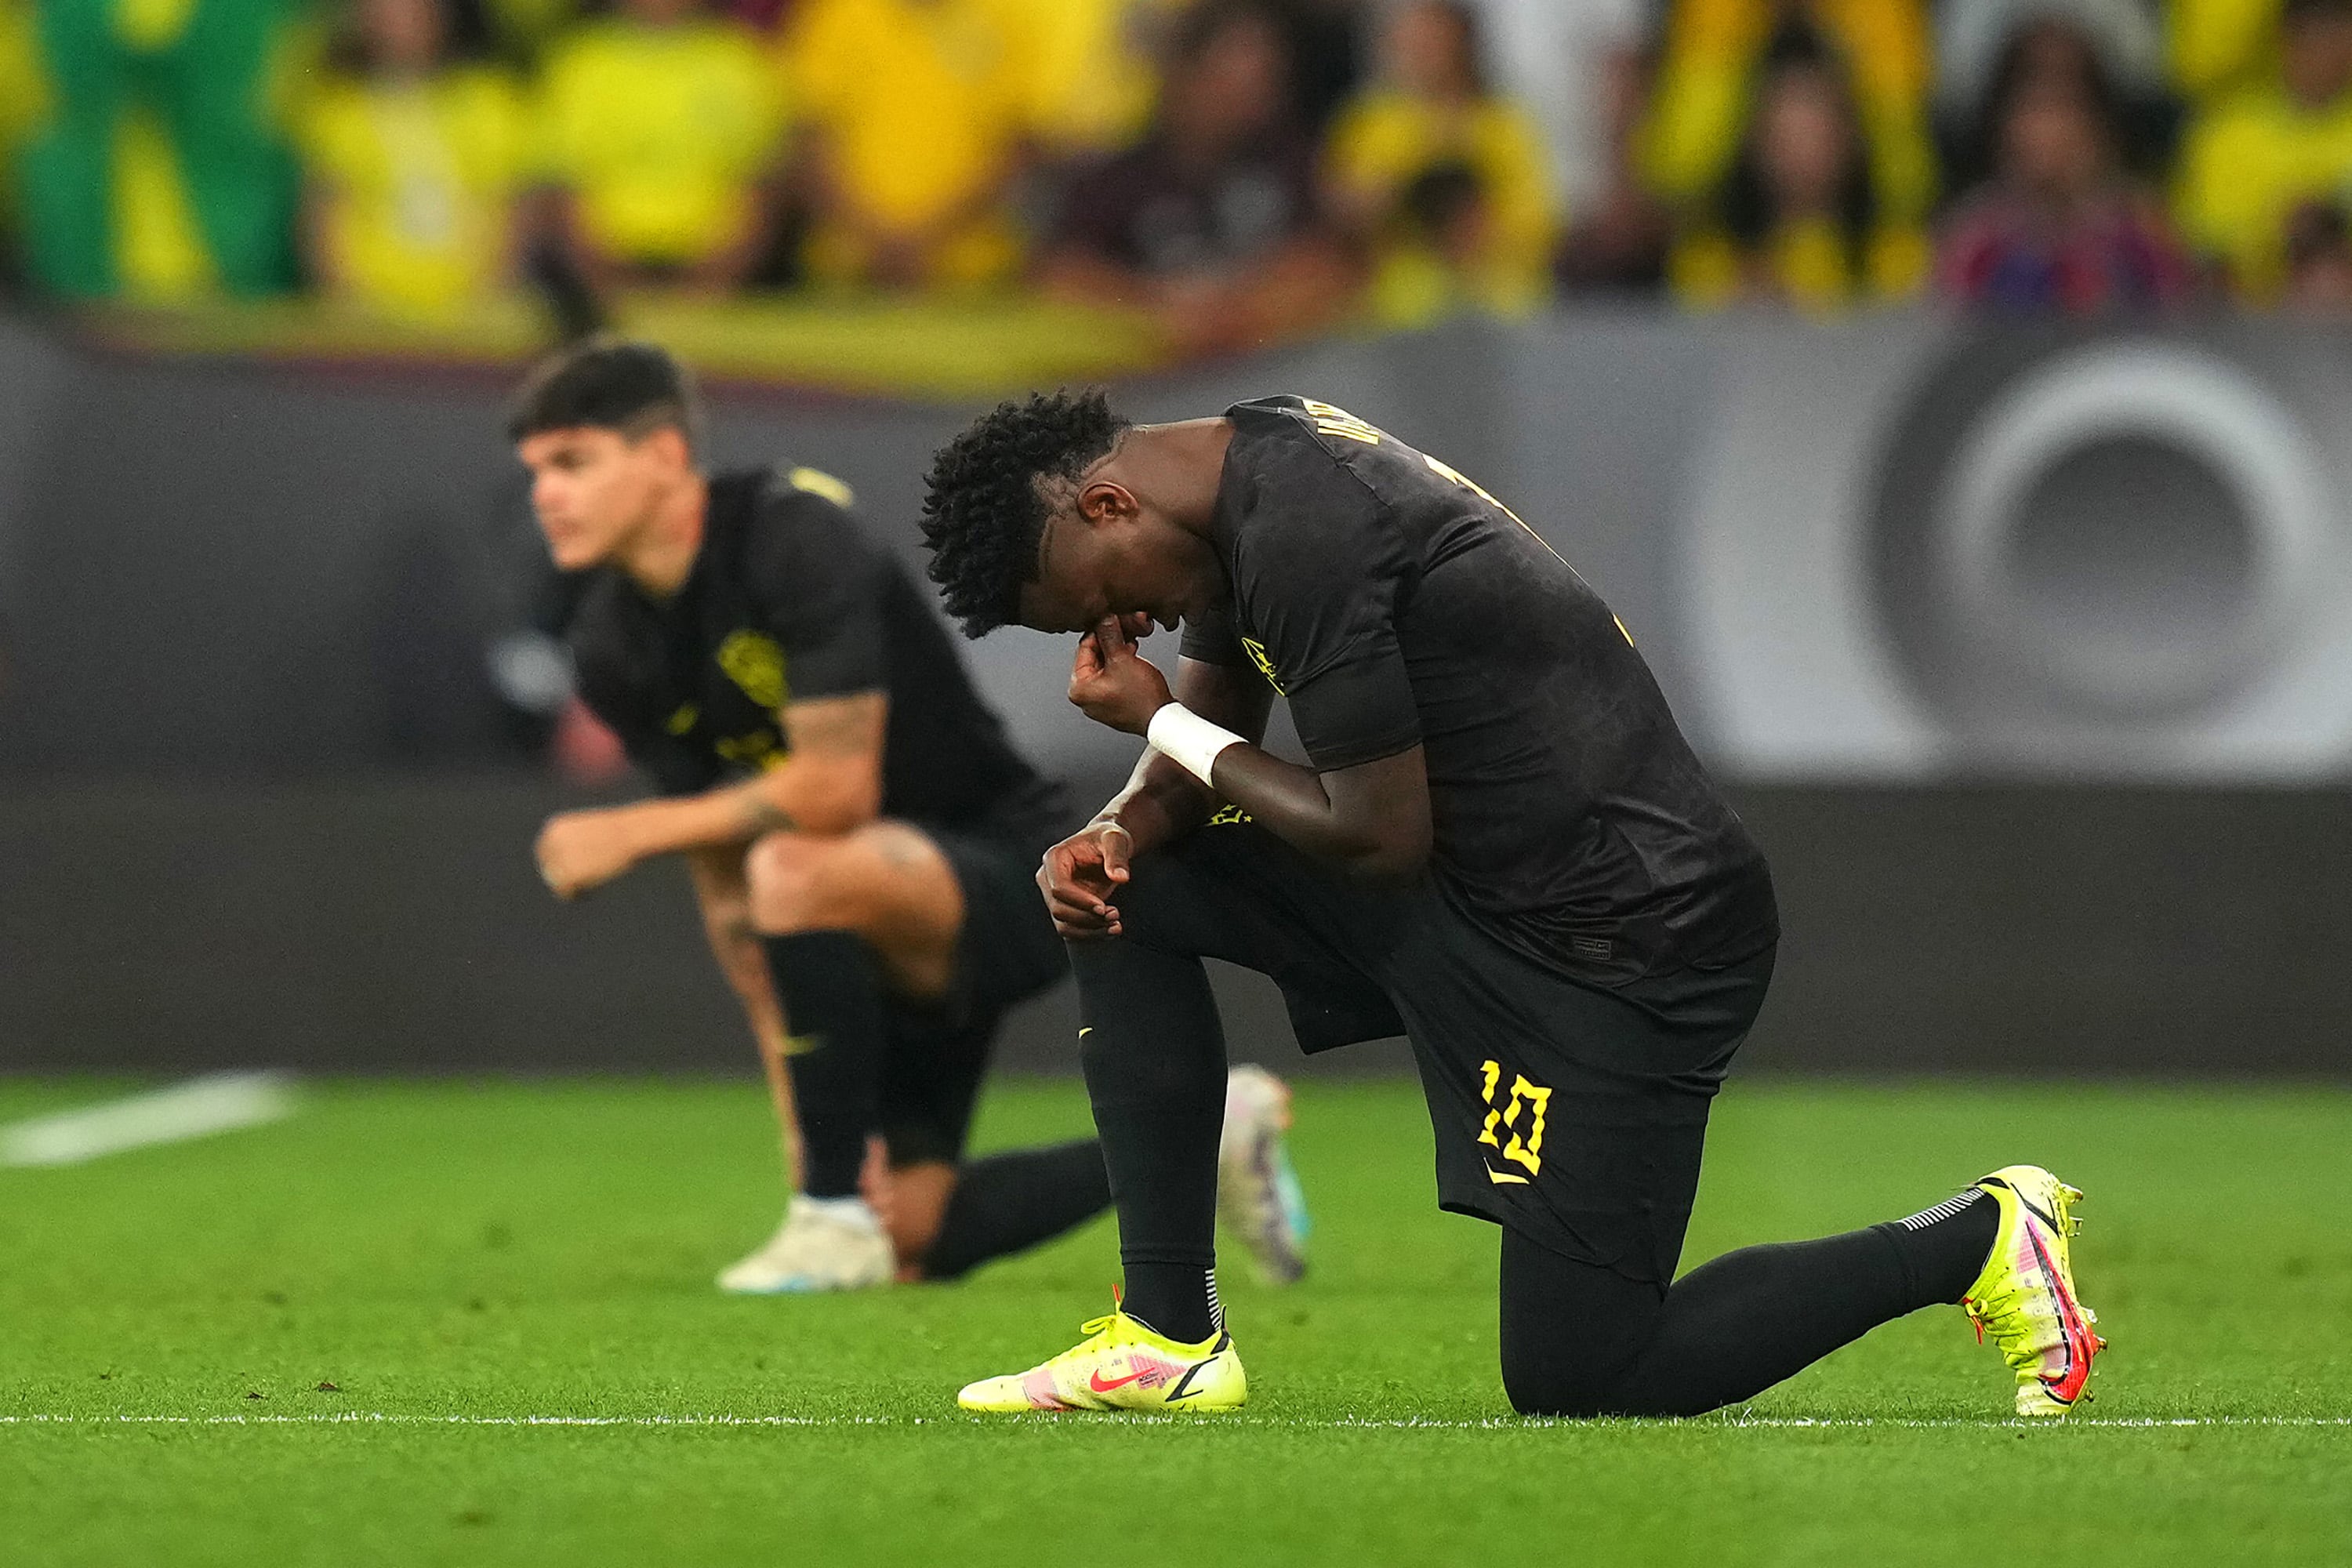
(1700, 105)
(420, 180)
(1385, 140)
(1806, 265)
(661, 133)
(2247, 166)
(924, 102)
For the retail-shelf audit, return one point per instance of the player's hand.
(581, 849)
(1112, 684)
(1080, 877)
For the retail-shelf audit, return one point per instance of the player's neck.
(660, 556)
(1183, 465)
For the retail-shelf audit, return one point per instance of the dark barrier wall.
(1887, 551)
(226, 571)
(2056, 932)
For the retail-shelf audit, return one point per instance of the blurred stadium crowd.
(1243, 170)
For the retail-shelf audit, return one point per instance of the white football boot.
(825, 1244)
(1258, 1196)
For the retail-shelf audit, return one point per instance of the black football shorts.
(1573, 1114)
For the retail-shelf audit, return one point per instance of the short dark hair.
(608, 383)
(985, 513)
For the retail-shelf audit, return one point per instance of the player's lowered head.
(1054, 513)
(608, 430)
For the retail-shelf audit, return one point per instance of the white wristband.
(1189, 741)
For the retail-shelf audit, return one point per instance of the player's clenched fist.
(581, 849)
(1079, 876)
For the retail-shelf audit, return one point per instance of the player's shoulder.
(768, 516)
(1295, 414)
(1311, 437)
(1302, 457)
(795, 499)
(790, 535)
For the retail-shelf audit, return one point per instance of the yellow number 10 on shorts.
(1525, 1145)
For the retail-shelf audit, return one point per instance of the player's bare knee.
(796, 884)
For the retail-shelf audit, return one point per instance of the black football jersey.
(788, 599)
(1392, 602)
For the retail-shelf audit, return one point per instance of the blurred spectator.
(1581, 68)
(1446, 183)
(2118, 39)
(1095, 71)
(159, 171)
(24, 102)
(412, 164)
(2058, 227)
(2254, 160)
(1973, 38)
(522, 32)
(2221, 47)
(914, 121)
(2319, 260)
(1704, 95)
(1213, 221)
(1327, 65)
(1562, 61)
(1798, 219)
(1618, 229)
(661, 127)
(1096, 64)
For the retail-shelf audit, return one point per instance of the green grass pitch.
(458, 1258)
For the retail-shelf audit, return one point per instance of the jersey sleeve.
(1210, 638)
(819, 583)
(1318, 577)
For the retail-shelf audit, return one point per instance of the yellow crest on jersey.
(753, 661)
(1256, 651)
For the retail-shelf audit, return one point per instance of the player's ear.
(669, 448)
(1104, 502)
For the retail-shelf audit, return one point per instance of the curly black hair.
(985, 514)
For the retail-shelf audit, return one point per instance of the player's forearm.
(795, 797)
(1371, 820)
(1293, 804)
(1161, 804)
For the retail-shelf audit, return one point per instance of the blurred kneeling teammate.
(862, 834)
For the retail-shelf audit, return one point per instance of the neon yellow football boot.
(1121, 1365)
(2025, 1296)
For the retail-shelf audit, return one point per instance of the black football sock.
(1008, 1202)
(1154, 1053)
(1945, 1247)
(830, 983)
(1580, 1341)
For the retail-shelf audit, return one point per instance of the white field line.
(1344, 1422)
(216, 1102)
